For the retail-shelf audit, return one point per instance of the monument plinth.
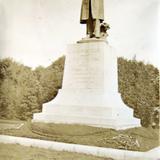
(89, 93)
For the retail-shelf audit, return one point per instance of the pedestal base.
(89, 94)
(113, 114)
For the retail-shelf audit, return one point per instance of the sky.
(36, 32)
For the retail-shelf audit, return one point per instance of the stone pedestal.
(89, 93)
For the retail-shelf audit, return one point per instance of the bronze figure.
(92, 14)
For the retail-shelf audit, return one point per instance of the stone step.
(101, 111)
(118, 123)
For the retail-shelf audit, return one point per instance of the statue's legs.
(97, 28)
(90, 27)
(93, 25)
(93, 28)
(90, 24)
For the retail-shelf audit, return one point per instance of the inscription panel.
(85, 68)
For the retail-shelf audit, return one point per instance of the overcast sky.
(36, 32)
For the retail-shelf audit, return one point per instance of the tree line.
(139, 88)
(23, 90)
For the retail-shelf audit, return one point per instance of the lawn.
(140, 139)
(8, 124)
(17, 152)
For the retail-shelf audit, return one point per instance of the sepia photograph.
(79, 80)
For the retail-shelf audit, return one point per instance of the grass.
(17, 152)
(8, 124)
(147, 138)
(2, 121)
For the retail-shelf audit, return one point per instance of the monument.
(89, 94)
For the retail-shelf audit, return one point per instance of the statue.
(92, 14)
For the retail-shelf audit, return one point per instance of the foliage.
(139, 87)
(126, 142)
(22, 90)
(50, 79)
(155, 118)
